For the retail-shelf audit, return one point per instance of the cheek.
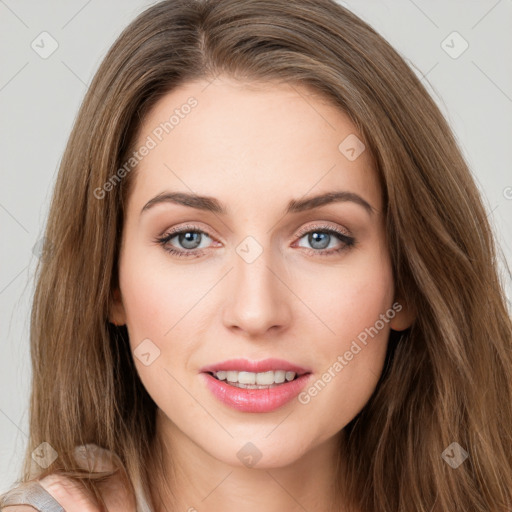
(156, 294)
(154, 301)
(148, 301)
(349, 297)
(353, 345)
(163, 304)
(156, 309)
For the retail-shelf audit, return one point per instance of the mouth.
(255, 386)
(246, 374)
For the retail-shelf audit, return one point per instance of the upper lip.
(245, 365)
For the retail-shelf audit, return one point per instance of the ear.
(404, 316)
(117, 314)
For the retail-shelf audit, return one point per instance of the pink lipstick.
(269, 374)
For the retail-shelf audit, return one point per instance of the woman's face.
(260, 270)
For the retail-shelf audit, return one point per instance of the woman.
(273, 283)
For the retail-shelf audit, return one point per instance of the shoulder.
(72, 495)
(115, 490)
(36, 494)
(75, 497)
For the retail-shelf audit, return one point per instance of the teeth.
(279, 376)
(221, 375)
(260, 379)
(290, 375)
(232, 376)
(247, 378)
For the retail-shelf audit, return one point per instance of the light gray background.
(39, 99)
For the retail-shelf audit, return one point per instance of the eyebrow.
(211, 204)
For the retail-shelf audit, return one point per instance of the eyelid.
(185, 227)
(322, 224)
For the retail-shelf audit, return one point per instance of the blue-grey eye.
(319, 240)
(188, 239)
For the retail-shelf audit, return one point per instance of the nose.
(259, 300)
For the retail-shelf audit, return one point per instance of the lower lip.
(256, 400)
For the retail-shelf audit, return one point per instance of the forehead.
(255, 139)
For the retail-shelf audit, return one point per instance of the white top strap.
(32, 493)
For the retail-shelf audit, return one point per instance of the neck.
(193, 480)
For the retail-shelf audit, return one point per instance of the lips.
(245, 365)
(255, 400)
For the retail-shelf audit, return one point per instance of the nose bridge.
(257, 299)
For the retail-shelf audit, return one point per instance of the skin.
(254, 148)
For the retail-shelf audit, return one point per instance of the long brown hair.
(447, 379)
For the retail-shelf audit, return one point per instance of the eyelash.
(348, 241)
